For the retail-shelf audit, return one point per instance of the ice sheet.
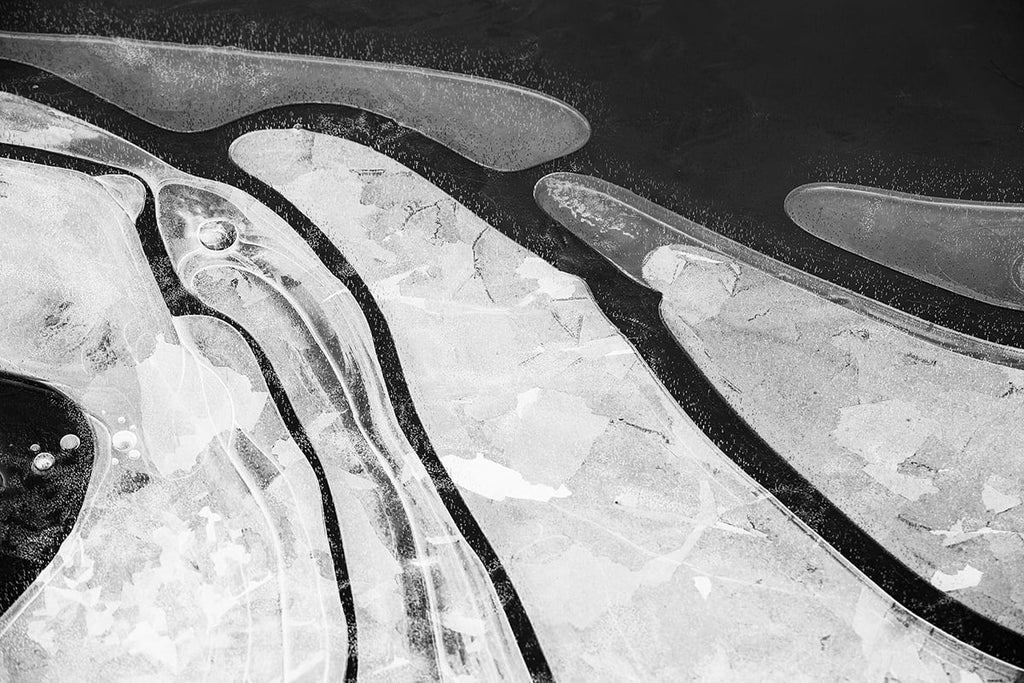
(657, 558)
(193, 556)
(971, 248)
(197, 87)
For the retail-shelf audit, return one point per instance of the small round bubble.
(43, 461)
(217, 234)
(124, 440)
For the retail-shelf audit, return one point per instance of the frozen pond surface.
(692, 109)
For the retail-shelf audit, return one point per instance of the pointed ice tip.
(547, 183)
(611, 220)
(813, 209)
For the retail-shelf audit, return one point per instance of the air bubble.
(123, 440)
(43, 461)
(217, 234)
(134, 454)
(70, 442)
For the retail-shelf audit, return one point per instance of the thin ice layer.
(905, 437)
(640, 552)
(413, 597)
(642, 226)
(196, 87)
(917, 444)
(972, 248)
(198, 551)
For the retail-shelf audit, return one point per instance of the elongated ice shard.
(199, 550)
(413, 595)
(918, 445)
(640, 551)
(194, 87)
(972, 248)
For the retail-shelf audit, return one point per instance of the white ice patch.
(497, 482)
(703, 585)
(51, 137)
(525, 399)
(997, 501)
(470, 626)
(885, 434)
(550, 281)
(696, 286)
(965, 578)
(187, 403)
(956, 533)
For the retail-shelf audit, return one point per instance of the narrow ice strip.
(971, 248)
(624, 228)
(197, 87)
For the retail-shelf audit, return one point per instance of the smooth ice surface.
(663, 561)
(408, 591)
(583, 204)
(972, 248)
(204, 555)
(195, 87)
(917, 444)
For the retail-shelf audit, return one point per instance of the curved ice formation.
(916, 444)
(199, 549)
(641, 226)
(972, 248)
(192, 87)
(640, 551)
(45, 464)
(425, 608)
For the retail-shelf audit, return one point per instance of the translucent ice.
(901, 434)
(640, 551)
(271, 282)
(200, 554)
(971, 248)
(194, 87)
(625, 228)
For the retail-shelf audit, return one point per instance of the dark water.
(37, 508)
(713, 109)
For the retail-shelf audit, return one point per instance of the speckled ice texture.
(639, 550)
